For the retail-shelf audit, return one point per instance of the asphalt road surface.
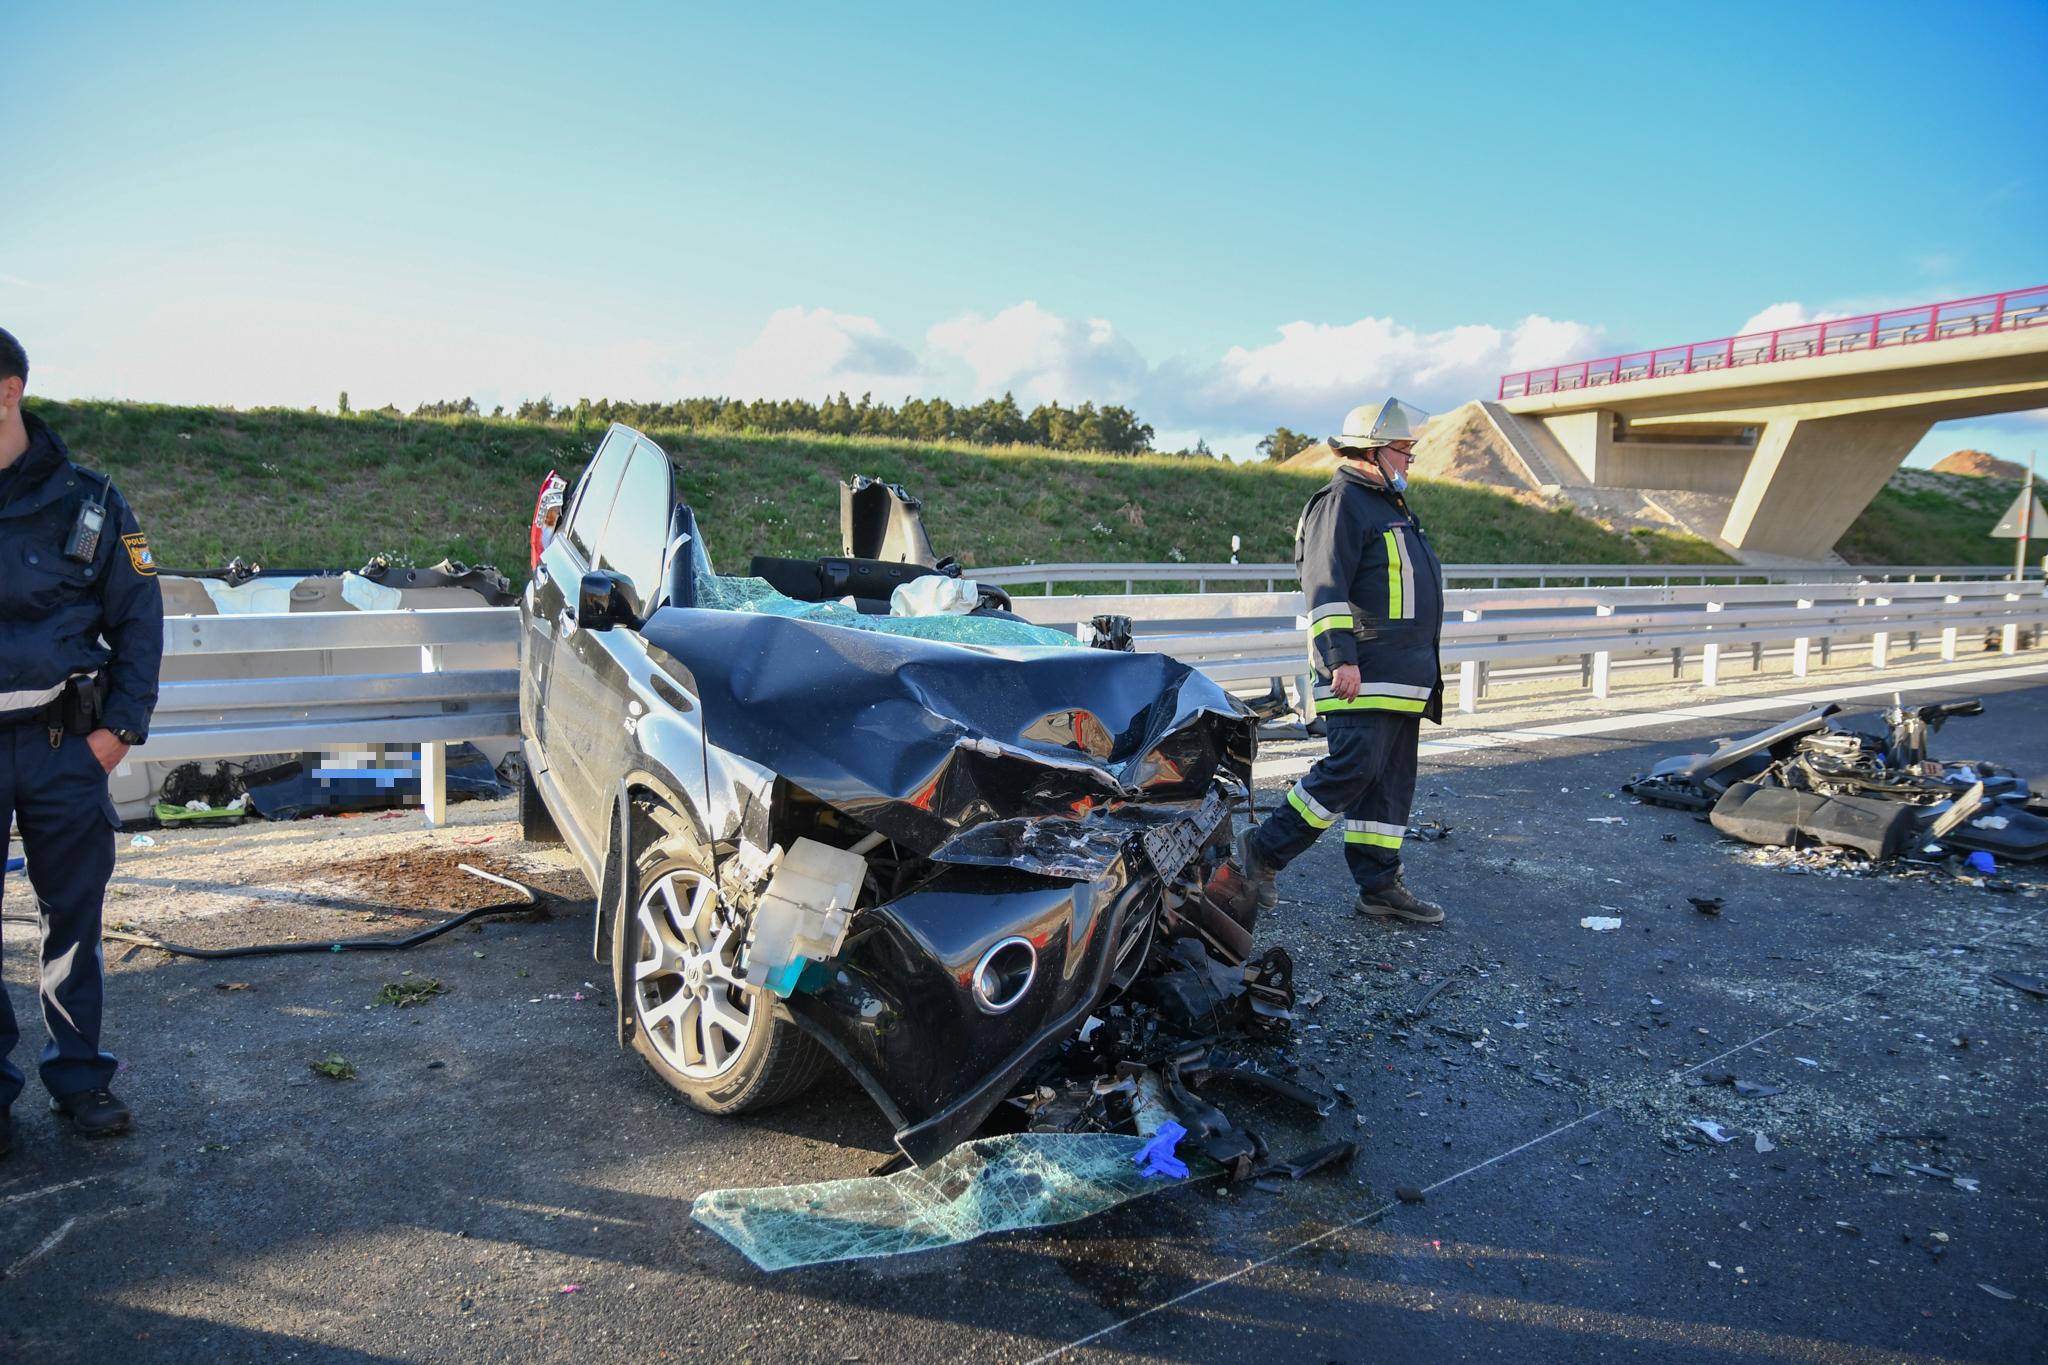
(500, 1184)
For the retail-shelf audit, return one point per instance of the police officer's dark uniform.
(1374, 589)
(68, 613)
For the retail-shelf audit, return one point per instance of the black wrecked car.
(926, 846)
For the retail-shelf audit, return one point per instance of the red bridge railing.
(1897, 327)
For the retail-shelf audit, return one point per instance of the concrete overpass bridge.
(1797, 429)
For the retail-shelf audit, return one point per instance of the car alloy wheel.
(688, 997)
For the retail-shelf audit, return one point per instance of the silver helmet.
(1371, 425)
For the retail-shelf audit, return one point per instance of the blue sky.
(1225, 217)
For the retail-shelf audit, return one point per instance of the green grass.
(300, 490)
(1926, 518)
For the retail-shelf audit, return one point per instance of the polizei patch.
(139, 555)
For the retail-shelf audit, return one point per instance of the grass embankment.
(1922, 517)
(297, 489)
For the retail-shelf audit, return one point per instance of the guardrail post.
(2009, 638)
(1710, 658)
(1802, 646)
(1948, 633)
(433, 756)
(1602, 661)
(1468, 675)
(1880, 641)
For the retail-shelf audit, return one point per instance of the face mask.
(1396, 481)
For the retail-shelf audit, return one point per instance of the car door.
(549, 602)
(590, 697)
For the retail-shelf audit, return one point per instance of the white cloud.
(1040, 356)
(1788, 314)
(812, 353)
(1316, 372)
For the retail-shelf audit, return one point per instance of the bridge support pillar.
(1811, 477)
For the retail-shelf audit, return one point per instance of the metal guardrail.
(1251, 637)
(324, 680)
(348, 694)
(2005, 312)
(1272, 576)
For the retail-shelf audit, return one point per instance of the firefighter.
(81, 643)
(1374, 589)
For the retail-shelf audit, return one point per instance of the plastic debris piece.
(1764, 1144)
(1605, 820)
(1707, 905)
(1757, 1090)
(2021, 981)
(1408, 1194)
(997, 1184)
(1806, 1061)
(1712, 1130)
(1156, 1157)
(1965, 1182)
(572, 1289)
(1600, 923)
(1981, 861)
(1995, 1292)
(142, 841)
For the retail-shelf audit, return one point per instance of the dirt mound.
(1319, 458)
(1979, 464)
(1461, 444)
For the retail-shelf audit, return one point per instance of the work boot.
(1395, 901)
(93, 1113)
(1264, 877)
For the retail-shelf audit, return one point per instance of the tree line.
(994, 421)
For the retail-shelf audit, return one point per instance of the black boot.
(93, 1113)
(1395, 901)
(1264, 877)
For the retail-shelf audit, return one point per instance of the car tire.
(536, 824)
(775, 1061)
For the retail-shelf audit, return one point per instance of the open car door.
(589, 702)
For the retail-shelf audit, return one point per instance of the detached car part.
(1813, 780)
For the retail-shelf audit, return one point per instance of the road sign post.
(2019, 521)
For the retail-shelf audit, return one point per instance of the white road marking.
(42, 1249)
(47, 1189)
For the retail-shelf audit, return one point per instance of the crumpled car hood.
(923, 740)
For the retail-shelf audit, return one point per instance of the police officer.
(81, 642)
(1375, 604)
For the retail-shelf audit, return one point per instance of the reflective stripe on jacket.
(1375, 594)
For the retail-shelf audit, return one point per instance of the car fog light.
(1004, 973)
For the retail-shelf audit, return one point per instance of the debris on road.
(403, 994)
(1812, 781)
(1764, 1144)
(1707, 905)
(1712, 1130)
(2021, 981)
(334, 1067)
(997, 1184)
(1600, 923)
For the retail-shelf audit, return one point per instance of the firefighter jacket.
(1375, 594)
(62, 617)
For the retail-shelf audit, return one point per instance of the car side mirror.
(602, 601)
